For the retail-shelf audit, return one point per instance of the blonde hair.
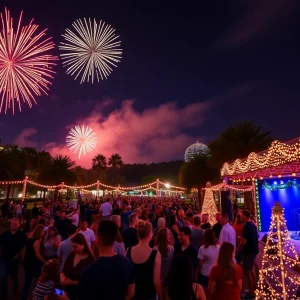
(36, 234)
(144, 229)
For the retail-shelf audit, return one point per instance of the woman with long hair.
(147, 263)
(46, 282)
(80, 257)
(119, 246)
(180, 281)
(32, 259)
(207, 257)
(30, 225)
(51, 243)
(225, 279)
(162, 244)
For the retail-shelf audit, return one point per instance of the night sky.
(189, 69)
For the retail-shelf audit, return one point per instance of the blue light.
(275, 182)
(281, 182)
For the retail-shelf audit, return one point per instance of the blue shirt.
(107, 278)
(64, 249)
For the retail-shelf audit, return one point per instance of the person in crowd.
(181, 280)
(61, 225)
(19, 211)
(225, 279)
(207, 257)
(4, 211)
(238, 227)
(35, 212)
(96, 280)
(180, 218)
(187, 222)
(30, 225)
(205, 224)
(46, 282)
(74, 217)
(65, 247)
(129, 234)
(87, 232)
(125, 216)
(174, 228)
(227, 233)
(12, 243)
(147, 264)
(217, 227)
(119, 245)
(162, 244)
(106, 210)
(161, 223)
(184, 246)
(197, 233)
(80, 257)
(50, 243)
(95, 224)
(249, 247)
(32, 260)
(117, 209)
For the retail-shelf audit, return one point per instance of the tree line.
(236, 141)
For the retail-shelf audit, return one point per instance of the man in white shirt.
(87, 232)
(74, 217)
(106, 210)
(227, 233)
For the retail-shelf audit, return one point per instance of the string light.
(209, 205)
(257, 206)
(277, 154)
(98, 184)
(276, 281)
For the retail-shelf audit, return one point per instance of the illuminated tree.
(209, 205)
(276, 277)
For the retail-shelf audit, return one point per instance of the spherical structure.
(90, 50)
(26, 66)
(195, 149)
(81, 140)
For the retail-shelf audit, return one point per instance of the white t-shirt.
(228, 235)
(106, 209)
(75, 220)
(89, 236)
(209, 256)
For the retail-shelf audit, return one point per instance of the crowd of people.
(128, 248)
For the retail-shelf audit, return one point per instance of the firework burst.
(81, 140)
(90, 50)
(25, 65)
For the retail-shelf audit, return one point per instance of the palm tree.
(238, 141)
(31, 158)
(115, 162)
(99, 164)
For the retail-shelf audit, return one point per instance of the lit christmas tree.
(277, 280)
(209, 205)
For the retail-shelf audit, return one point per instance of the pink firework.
(25, 65)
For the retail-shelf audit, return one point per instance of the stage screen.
(287, 192)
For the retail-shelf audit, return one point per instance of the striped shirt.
(43, 289)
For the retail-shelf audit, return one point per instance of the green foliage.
(238, 141)
(99, 164)
(195, 173)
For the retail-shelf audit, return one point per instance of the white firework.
(90, 50)
(81, 140)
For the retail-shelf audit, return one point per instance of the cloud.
(153, 135)
(22, 139)
(256, 18)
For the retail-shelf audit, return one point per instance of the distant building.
(195, 149)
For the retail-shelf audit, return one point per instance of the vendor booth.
(275, 177)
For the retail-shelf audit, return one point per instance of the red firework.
(25, 65)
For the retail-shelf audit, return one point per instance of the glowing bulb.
(293, 174)
(167, 185)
